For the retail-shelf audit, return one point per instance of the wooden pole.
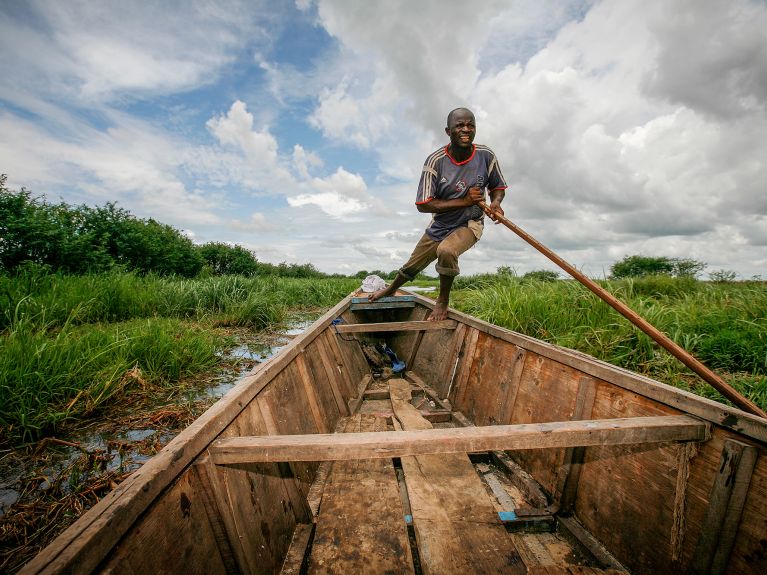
(662, 339)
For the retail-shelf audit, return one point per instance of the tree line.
(82, 239)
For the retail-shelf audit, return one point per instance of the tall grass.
(70, 345)
(725, 326)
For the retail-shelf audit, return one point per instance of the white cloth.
(373, 283)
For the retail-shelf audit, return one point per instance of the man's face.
(461, 128)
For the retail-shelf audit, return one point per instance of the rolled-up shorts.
(446, 252)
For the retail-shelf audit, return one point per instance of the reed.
(51, 377)
(724, 326)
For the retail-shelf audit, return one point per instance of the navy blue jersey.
(445, 179)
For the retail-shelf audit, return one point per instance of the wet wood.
(323, 446)
(361, 528)
(455, 534)
(396, 326)
(725, 507)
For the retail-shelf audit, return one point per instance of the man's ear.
(447, 131)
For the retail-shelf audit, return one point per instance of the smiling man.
(453, 182)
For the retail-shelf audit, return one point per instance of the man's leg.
(447, 266)
(423, 254)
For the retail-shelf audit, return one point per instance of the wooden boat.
(492, 452)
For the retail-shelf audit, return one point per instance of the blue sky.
(298, 128)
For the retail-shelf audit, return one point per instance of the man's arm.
(437, 206)
(496, 197)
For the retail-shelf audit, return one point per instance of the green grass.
(725, 326)
(72, 345)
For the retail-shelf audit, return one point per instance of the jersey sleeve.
(427, 186)
(495, 179)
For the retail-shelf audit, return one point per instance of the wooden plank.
(396, 326)
(341, 366)
(85, 543)
(361, 528)
(354, 402)
(464, 368)
(713, 411)
(174, 531)
(333, 376)
(314, 405)
(453, 356)
(294, 559)
(258, 494)
(220, 516)
(455, 534)
(323, 446)
(415, 348)
(379, 306)
(569, 473)
(387, 299)
(297, 500)
(725, 506)
(571, 526)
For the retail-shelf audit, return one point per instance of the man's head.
(461, 128)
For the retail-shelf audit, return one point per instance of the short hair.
(450, 115)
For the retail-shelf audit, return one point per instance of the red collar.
(447, 151)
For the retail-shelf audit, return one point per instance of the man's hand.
(495, 211)
(475, 196)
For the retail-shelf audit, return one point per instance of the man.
(453, 182)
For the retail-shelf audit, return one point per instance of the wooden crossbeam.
(396, 326)
(375, 445)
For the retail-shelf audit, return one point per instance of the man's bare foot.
(440, 311)
(376, 295)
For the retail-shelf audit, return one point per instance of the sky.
(298, 128)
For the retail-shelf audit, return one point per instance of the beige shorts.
(445, 252)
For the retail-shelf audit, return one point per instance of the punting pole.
(662, 339)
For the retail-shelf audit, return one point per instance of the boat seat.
(391, 302)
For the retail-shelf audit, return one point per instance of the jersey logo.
(461, 186)
(443, 180)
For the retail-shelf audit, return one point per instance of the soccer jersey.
(445, 179)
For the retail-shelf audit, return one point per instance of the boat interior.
(381, 442)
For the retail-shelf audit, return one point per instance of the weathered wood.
(396, 326)
(89, 540)
(354, 402)
(220, 517)
(569, 473)
(341, 365)
(465, 366)
(323, 446)
(176, 526)
(450, 368)
(333, 375)
(297, 500)
(713, 411)
(360, 528)
(320, 421)
(294, 559)
(455, 535)
(391, 302)
(597, 550)
(724, 508)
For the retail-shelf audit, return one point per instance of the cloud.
(257, 222)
